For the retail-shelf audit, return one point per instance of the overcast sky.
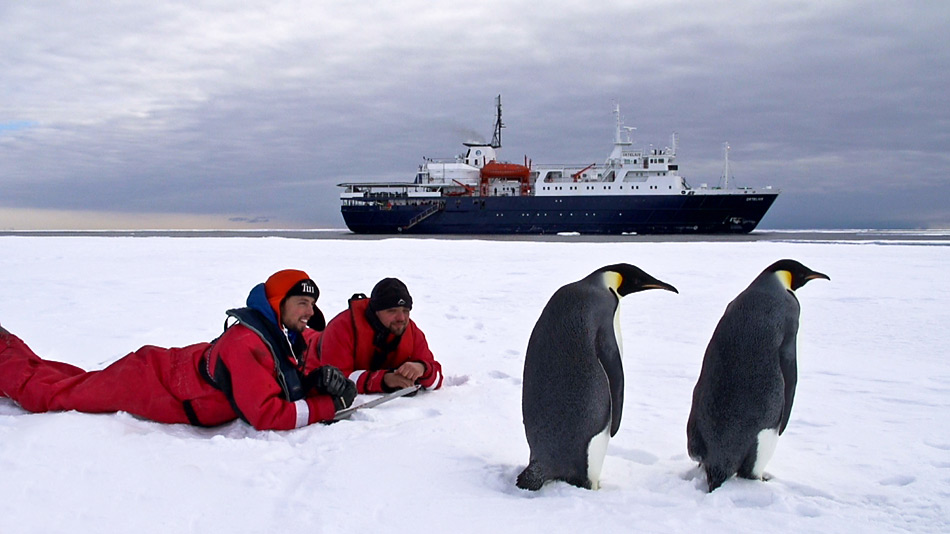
(215, 114)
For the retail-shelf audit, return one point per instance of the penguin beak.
(815, 274)
(659, 285)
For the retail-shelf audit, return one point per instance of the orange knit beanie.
(281, 284)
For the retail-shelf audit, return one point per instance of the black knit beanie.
(305, 287)
(389, 293)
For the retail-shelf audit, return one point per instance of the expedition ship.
(635, 191)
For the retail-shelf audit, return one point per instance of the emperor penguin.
(743, 398)
(572, 393)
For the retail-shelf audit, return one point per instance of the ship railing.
(437, 161)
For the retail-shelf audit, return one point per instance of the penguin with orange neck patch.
(743, 398)
(572, 393)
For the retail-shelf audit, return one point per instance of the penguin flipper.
(789, 366)
(610, 360)
(695, 445)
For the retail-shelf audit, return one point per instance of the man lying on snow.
(256, 370)
(377, 345)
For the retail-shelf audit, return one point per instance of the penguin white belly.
(767, 440)
(597, 447)
(617, 330)
(596, 451)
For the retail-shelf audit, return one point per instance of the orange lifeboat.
(508, 171)
(494, 170)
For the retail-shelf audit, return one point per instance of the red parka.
(171, 385)
(347, 343)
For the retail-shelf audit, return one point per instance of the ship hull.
(725, 213)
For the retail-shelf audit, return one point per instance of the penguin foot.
(584, 483)
(715, 477)
(749, 475)
(746, 475)
(531, 478)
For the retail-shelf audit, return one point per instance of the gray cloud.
(255, 113)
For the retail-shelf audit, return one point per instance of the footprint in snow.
(633, 455)
(456, 380)
(745, 496)
(499, 375)
(899, 480)
(806, 510)
(941, 446)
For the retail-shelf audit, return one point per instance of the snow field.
(867, 448)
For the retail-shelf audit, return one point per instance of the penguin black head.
(793, 274)
(625, 279)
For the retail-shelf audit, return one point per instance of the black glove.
(346, 398)
(327, 380)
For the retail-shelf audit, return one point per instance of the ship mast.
(725, 170)
(620, 139)
(496, 138)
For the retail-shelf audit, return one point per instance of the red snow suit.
(347, 344)
(166, 385)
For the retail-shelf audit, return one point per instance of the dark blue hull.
(736, 212)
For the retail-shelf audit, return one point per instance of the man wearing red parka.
(377, 345)
(253, 371)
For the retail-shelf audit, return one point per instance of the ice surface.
(867, 448)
